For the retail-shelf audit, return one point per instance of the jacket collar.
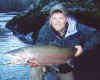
(71, 27)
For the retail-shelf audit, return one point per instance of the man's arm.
(91, 37)
(44, 35)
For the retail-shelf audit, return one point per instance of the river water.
(9, 42)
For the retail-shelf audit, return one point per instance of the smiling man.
(64, 31)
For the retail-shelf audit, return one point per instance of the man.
(64, 31)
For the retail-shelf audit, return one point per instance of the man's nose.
(58, 20)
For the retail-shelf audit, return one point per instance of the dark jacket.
(76, 34)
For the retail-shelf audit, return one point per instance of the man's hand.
(79, 50)
(33, 62)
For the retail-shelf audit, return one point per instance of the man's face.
(58, 21)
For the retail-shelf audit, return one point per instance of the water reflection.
(9, 42)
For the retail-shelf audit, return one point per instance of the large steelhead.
(45, 54)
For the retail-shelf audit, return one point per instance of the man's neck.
(61, 32)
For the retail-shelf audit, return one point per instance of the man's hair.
(56, 11)
(58, 8)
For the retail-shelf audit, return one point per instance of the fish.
(44, 54)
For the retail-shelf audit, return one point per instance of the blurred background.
(21, 20)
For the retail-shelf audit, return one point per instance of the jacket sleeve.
(90, 36)
(43, 36)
